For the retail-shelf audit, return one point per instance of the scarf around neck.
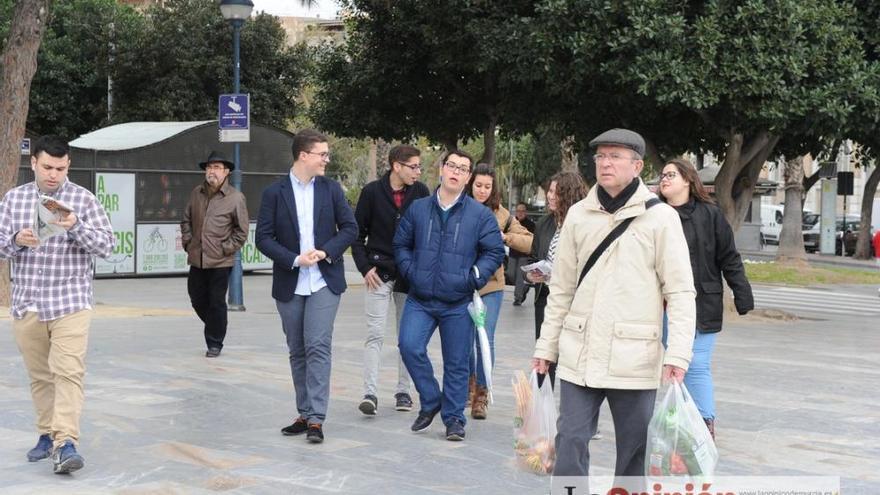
(610, 204)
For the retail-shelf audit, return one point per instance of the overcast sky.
(326, 9)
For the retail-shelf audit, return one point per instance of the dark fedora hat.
(217, 157)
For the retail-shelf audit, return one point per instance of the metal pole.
(510, 204)
(110, 59)
(236, 296)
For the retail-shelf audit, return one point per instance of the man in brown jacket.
(214, 227)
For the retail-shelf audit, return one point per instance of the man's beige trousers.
(54, 354)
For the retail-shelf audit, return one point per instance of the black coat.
(377, 217)
(713, 255)
(543, 234)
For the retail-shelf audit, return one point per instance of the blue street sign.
(26, 146)
(234, 112)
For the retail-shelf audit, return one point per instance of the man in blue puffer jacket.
(446, 246)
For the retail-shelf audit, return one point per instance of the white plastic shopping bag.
(679, 443)
(534, 425)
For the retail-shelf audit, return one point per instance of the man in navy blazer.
(304, 227)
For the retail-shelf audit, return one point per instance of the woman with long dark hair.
(713, 255)
(485, 189)
(566, 189)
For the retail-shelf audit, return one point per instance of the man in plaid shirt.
(52, 295)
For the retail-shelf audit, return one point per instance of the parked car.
(771, 226)
(771, 223)
(848, 237)
(812, 231)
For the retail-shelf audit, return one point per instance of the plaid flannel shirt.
(56, 277)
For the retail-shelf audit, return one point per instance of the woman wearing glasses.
(485, 189)
(566, 189)
(713, 254)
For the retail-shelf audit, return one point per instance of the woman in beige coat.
(485, 189)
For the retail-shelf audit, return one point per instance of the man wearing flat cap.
(214, 227)
(603, 325)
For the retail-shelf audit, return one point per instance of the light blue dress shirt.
(310, 279)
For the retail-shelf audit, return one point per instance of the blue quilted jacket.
(438, 257)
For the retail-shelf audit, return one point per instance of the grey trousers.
(307, 322)
(378, 303)
(520, 283)
(631, 411)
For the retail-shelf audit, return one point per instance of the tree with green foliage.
(865, 122)
(175, 64)
(70, 88)
(168, 64)
(423, 68)
(726, 77)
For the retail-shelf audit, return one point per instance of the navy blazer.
(277, 234)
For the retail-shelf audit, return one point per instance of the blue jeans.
(698, 378)
(417, 325)
(493, 302)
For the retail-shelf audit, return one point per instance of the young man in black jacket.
(381, 205)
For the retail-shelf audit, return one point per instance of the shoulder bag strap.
(614, 234)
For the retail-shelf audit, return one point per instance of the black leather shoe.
(299, 426)
(424, 420)
(212, 352)
(315, 434)
(455, 431)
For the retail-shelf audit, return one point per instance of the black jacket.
(713, 254)
(543, 234)
(377, 218)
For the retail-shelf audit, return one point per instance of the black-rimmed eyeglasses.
(459, 169)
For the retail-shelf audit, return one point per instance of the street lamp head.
(236, 10)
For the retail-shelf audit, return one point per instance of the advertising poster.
(251, 258)
(159, 249)
(116, 194)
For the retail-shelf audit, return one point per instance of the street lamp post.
(236, 12)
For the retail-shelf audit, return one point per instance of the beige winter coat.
(608, 333)
(516, 237)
